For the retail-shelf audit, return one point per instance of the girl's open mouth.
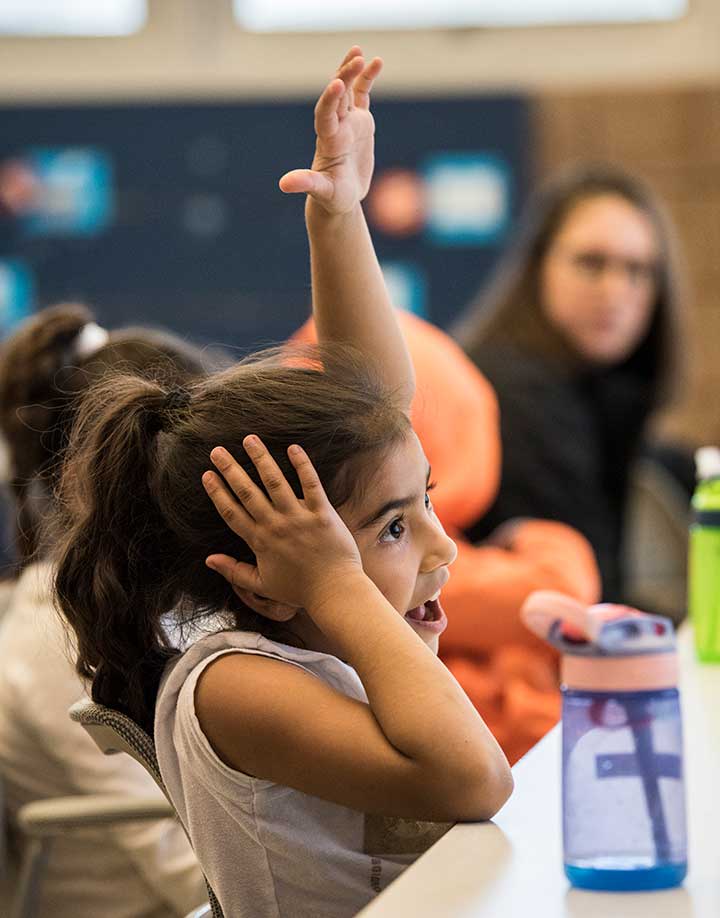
(429, 615)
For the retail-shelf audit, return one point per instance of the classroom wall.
(194, 47)
(169, 212)
(647, 96)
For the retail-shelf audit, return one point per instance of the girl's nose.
(441, 550)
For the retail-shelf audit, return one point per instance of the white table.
(512, 867)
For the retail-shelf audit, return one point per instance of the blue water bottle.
(622, 769)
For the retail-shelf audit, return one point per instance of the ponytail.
(115, 548)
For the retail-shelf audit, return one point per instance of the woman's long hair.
(509, 309)
(135, 525)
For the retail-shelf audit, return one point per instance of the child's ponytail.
(114, 547)
(32, 405)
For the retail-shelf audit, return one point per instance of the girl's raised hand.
(344, 154)
(304, 551)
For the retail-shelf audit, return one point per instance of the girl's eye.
(428, 502)
(394, 532)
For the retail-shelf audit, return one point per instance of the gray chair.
(656, 541)
(114, 732)
(41, 822)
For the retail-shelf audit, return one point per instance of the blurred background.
(142, 141)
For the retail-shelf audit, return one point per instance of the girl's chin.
(433, 643)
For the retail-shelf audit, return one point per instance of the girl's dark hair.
(135, 524)
(43, 369)
(509, 309)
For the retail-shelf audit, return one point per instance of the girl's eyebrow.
(398, 503)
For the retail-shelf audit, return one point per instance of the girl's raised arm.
(350, 300)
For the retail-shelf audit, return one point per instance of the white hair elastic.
(91, 339)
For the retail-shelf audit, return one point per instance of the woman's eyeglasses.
(592, 265)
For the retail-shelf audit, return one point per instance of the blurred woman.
(579, 336)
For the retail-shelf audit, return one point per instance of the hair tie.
(89, 340)
(176, 399)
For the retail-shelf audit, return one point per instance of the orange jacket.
(509, 674)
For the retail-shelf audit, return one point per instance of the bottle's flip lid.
(605, 646)
(605, 629)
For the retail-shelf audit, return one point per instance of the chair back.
(656, 541)
(115, 732)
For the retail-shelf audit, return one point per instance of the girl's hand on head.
(344, 154)
(304, 551)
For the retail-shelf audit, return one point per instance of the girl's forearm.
(419, 706)
(350, 299)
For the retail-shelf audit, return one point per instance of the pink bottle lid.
(605, 647)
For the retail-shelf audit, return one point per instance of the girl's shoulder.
(184, 737)
(190, 665)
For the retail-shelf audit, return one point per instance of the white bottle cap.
(707, 462)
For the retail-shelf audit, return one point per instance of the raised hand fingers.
(326, 110)
(348, 74)
(313, 491)
(351, 86)
(365, 81)
(353, 51)
(337, 98)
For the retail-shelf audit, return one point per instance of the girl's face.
(598, 279)
(403, 546)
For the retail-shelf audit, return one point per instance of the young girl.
(317, 745)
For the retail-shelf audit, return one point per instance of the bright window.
(331, 15)
(71, 17)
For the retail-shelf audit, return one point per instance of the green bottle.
(704, 556)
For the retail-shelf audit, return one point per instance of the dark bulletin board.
(200, 239)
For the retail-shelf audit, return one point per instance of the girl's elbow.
(463, 795)
(499, 791)
(486, 792)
